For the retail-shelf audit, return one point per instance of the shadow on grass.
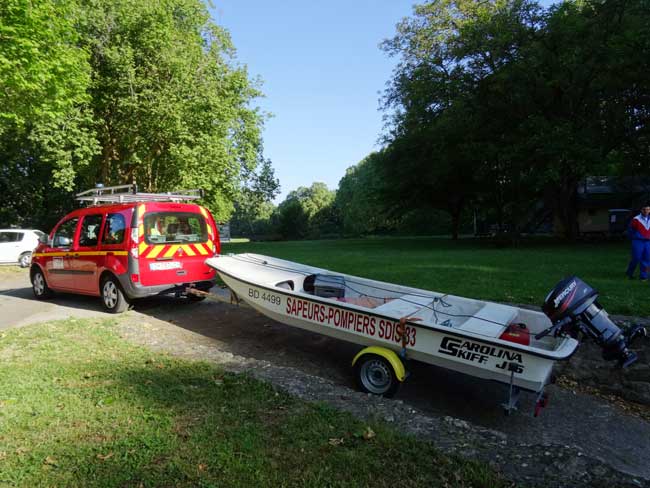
(245, 433)
(246, 333)
(159, 421)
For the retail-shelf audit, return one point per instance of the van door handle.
(109, 253)
(76, 255)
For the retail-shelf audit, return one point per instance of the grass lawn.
(473, 267)
(11, 270)
(79, 406)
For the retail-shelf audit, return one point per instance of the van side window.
(114, 229)
(90, 226)
(65, 233)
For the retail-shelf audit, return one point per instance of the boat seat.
(499, 316)
(404, 306)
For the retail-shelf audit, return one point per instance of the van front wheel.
(39, 286)
(113, 297)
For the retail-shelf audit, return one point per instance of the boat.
(489, 340)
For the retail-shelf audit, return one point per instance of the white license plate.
(164, 265)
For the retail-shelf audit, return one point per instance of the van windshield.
(174, 227)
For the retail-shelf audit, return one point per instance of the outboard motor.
(572, 307)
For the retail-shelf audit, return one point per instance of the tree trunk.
(566, 209)
(455, 219)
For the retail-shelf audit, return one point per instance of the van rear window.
(174, 227)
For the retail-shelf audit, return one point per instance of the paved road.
(596, 428)
(18, 307)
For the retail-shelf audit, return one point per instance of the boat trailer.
(571, 306)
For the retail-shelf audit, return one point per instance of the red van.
(128, 245)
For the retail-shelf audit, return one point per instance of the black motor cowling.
(572, 307)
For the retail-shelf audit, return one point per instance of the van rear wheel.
(113, 298)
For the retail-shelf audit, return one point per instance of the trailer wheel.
(376, 375)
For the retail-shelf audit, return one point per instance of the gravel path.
(579, 440)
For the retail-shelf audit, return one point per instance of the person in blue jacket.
(639, 231)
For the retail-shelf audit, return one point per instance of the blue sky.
(323, 74)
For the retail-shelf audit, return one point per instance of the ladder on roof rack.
(129, 193)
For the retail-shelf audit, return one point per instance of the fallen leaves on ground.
(50, 461)
(368, 433)
(637, 409)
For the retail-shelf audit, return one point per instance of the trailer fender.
(388, 355)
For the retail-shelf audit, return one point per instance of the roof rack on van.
(129, 193)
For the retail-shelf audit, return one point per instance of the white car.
(16, 245)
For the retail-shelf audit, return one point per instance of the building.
(606, 203)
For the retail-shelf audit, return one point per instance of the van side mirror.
(62, 241)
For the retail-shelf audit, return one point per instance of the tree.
(171, 107)
(45, 117)
(593, 109)
(253, 207)
(119, 91)
(437, 150)
(306, 211)
(500, 102)
(359, 197)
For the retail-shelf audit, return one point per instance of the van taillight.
(134, 242)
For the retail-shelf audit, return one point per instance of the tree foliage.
(171, 107)
(253, 206)
(120, 91)
(500, 102)
(359, 197)
(45, 114)
(308, 212)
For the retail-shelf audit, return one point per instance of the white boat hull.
(466, 352)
